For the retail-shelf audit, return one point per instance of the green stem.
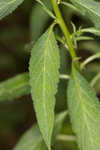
(90, 59)
(63, 137)
(64, 28)
(95, 79)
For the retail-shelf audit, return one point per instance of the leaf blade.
(84, 110)
(44, 76)
(32, 140)
(89, 8)
(7, 6)
(14, 87)
(43, 18)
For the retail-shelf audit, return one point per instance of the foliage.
(61, 79)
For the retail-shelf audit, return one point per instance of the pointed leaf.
(7, 6)
(32, 139)
(84, 110)
(44, 76)
(92, 30)
(89, 8)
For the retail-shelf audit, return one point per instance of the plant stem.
(95, 79)
(64, 28)
(64, 76)
(63, 137)
(90, 59)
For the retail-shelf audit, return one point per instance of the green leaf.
(14, 87)
(7, 6)
(89, 8)
(84, 110)
(46, 9)
(91, 30)
(32, 139)
(36, 29)
(44, 76)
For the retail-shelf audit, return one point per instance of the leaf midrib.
(44, 71)
(78, 2)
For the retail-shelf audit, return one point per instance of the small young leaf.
(84, 110)
(7, 6)
(44, 76)
(14, 87)
(90, 8)
(91, 30)
(32, 139)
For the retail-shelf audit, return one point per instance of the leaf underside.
(15, 87)
(7, 6)
(84, 110)
(89, 8)
(44, 76)
(32, 140)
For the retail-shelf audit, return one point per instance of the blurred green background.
(18, 33)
